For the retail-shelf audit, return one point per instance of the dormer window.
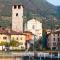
(15, 6)
(18, 6)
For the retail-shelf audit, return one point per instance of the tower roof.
(15, 2)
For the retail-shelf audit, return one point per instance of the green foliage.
(44, 39)
(14, 43)
(4, 43)
(31, 48)
(41, 7)
(5, 23)
(35, 47)
(38, 7)
(28, 15)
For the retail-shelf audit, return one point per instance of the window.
(22, 47)
(18, 6)
(54, 34)
(21, 43)
(16, 14)
(3, 28)
(58, 34)
(58, 39)
(54, 39)
(54, 44)
(59, 43)
(4, 37)
(15, 6)
(17, 38)
(33, 27)
(54, 48)
(21, 38)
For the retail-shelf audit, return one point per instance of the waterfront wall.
(10, 58)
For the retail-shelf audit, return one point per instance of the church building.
(35, 27)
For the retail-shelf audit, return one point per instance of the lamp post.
(34, 47)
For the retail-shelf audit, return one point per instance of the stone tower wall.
(17, 18)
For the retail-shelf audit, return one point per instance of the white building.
(35, 27)
(17, 18)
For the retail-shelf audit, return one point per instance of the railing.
(30, 56)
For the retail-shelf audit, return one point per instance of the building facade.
(17, 18)
(8, 36)
(4, 35)
(35, 27)
(21, 38)
(54, 40)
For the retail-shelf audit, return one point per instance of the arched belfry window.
(15, 6)
(19, 6)
(16, 14)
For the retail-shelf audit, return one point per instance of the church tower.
(17, 18)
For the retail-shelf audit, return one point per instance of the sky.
(54, 2)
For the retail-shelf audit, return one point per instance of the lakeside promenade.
(24, 55)
(21, 55)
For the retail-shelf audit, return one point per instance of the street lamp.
(34, 47)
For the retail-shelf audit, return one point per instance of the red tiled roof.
(15, 33)
(56, 32)
(9, 32)
(3, 31)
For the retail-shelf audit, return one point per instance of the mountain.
(37, 8)
(58, 11)
(41, 7)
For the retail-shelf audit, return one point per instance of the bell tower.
(17, 18)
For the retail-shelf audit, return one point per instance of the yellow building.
(4, 35)
(21, 38)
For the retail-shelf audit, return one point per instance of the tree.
(4, 43)
(29, 15)
(44, 39)
(35, 46)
